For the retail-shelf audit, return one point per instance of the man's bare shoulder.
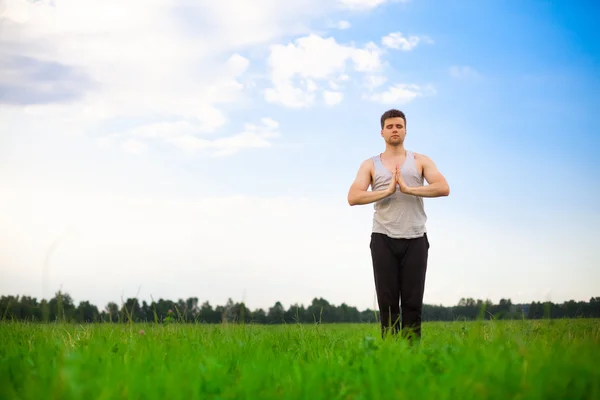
(423, 162)
(368, 163)
(422, 158)
(364, 176)
(368, 167)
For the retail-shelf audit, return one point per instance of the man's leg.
(386, 274)
(412, 284)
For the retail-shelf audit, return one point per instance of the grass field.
(548, 359)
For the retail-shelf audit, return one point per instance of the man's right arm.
(359, 193)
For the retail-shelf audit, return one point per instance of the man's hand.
(392, 188)
(437, 184)
(400, 180)
(359, 193)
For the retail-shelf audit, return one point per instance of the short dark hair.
(393, 113)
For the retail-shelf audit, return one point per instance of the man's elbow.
(352, 201)
(446, 190)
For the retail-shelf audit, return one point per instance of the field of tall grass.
(545, 359)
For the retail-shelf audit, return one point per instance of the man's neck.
(394, 151)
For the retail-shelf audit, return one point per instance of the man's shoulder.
(367, 167)
(420, 157)
(368, 162)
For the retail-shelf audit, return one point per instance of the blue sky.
(174, 158)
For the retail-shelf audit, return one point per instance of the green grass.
(549, 359)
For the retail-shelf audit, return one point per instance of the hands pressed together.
(397, 180)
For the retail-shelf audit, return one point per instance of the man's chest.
(412, 165)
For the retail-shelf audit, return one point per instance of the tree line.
(62, 307)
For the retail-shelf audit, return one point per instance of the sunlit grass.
(548, 359)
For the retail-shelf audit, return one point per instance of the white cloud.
(343, 25)
(334, 85)
(135, 56)
(173, 247)
(332, 98)
(162, 59)
(464, 72)
(134, 146)
(287, 94)
(367, 4)
(187, 137)
(401, 94)
(374, 81)
(270, 123)
(170, 59)
(253, 136)
(368, 58)
(397, 40)
(165, 130)
(296, 68)
(299, 69)
(216, 247)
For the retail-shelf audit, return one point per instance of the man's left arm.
(437, 184)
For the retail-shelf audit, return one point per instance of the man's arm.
(358, 193)
(437, 184)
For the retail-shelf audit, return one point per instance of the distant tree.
(112, 309)
(61, 308)
(87, 312)
(276, 314)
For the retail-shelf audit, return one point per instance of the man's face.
(394, 131)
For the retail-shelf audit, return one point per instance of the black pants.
(399, 268)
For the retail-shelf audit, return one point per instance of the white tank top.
(399, 215)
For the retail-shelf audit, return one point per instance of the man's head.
(393, 127)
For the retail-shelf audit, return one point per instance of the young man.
(399, 244)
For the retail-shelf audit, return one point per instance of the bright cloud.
(397, 40)
(134, 146)
(401, 93)
(189, 138)
(173, 247)
(297, 69)
(253, 136)
(166, 59)
(374, 81)
(144, 65)
(175, 61)
(367, 4)
(300, 69)
(343, 25)
(332, 98)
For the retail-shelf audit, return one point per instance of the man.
(399, 243)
